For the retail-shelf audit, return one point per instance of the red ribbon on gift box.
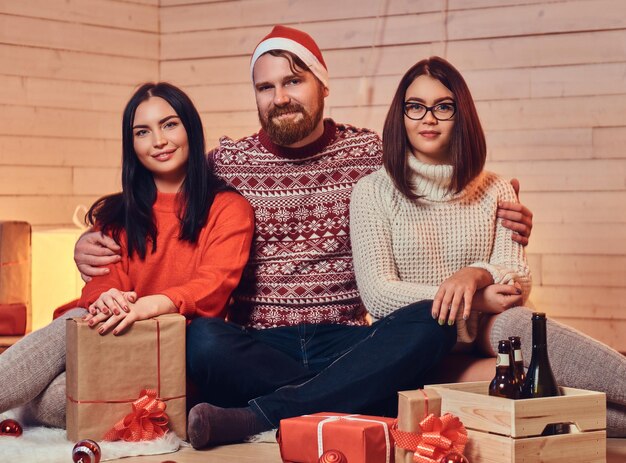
(147, 421)
(440, 436)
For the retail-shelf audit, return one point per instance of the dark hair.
(467, 143)
(131, 210)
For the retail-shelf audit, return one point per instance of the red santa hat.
(297, 42)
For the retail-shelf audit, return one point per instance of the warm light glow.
(55, 279)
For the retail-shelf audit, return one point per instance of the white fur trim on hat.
(281, 43)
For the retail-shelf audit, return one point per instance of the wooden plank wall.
(68, 67)
(549, 78)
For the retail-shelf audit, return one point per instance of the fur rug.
(267, 437)
(39, 444)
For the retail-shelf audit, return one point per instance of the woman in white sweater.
(425, 227)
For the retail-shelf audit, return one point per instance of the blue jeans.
(295, 370)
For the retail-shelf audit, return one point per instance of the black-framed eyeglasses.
(440, 111)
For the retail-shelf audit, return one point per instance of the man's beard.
(288, 132)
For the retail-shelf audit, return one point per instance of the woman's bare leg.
(483, 340)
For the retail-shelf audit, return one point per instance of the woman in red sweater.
(185, 239)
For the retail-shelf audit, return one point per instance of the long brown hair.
(468, 149)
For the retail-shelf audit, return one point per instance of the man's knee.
(418, 311)
(205, 340)
(203, 326)
(417, 323)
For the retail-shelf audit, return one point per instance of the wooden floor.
(268, 453)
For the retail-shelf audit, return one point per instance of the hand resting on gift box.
(113, 301)
(116, 310)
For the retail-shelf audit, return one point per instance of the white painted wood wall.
(549, 78)
(67, 68)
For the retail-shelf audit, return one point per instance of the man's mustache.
(291, 108)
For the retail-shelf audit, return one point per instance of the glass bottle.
(503, 384)
(517, 361)
(540, 380)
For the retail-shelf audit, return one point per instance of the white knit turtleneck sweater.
(403, 250)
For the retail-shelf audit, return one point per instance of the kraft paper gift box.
(15, 278)
(361, 438)
(413, 407)
(106, 374)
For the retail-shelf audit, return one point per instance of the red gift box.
(361, 438)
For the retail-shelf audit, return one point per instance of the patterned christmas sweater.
(300, 268)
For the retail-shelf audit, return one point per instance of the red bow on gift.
(440, 436)
(147, 421)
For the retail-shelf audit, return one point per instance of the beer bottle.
(503, 384)
(518, 362)
(540, 380)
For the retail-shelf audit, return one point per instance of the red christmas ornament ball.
(333, 456)
(86, 451)
(10, 428)
(454, 457)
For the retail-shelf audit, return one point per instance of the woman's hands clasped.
(497, 298)
(113, 301)
(118, 310)
(457, 292)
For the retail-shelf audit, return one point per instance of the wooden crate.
(509, 431)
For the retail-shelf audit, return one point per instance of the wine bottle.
(540, 380)
(503, 384)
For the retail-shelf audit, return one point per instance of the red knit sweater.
(198, 278)
(300, 269)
